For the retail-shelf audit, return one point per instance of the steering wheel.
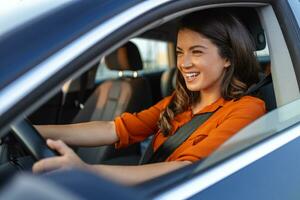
(29, 137)
(32, 140)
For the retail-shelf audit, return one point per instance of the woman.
(216, 67)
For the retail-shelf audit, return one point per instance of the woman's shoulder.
(248, 103)
(251, 100)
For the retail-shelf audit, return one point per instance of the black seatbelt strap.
(174, 141)
(263, 82)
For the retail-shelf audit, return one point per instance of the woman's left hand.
(68, 158)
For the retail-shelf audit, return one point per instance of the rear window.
(154, 53)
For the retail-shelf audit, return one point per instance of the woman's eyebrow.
(193, 47)
(198, 46)
(178, 48)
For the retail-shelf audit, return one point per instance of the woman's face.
(199, 62)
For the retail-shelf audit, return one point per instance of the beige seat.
(113, 97)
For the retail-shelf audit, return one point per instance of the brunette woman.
(216, 65)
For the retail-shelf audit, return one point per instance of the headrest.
(127, 57)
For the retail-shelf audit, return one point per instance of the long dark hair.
(234, 43)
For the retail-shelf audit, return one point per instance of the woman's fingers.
(59, 146)
(47, 164)
(67, 159)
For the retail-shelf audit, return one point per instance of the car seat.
(113, 97)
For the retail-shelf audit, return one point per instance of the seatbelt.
(174, 141)
(263, 82)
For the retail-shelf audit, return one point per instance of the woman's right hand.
(68, 159)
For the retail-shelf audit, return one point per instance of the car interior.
(85, 99)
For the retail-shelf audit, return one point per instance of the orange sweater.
(230, 118)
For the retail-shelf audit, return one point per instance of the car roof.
(25, 11)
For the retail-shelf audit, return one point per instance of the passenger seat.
(112, 98)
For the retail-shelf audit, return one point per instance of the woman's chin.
(193, 88)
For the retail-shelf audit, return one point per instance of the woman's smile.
(190, 76)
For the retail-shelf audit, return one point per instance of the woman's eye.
(197, 52)
(178, 53)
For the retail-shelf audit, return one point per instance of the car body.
(260, 162)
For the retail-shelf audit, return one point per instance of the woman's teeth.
(191, 75)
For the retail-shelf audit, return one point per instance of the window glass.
(154, 54)
(295, 6)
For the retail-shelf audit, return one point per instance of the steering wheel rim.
(32, 140)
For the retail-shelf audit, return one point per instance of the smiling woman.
(214, 58)
(216, 67)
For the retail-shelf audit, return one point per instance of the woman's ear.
(227, 63)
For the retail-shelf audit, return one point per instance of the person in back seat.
(216, 67)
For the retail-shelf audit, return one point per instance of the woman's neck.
(205, 100)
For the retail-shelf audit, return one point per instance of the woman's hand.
(68, 159)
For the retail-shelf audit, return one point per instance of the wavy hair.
(234, 43)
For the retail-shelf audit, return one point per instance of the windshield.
(14, 13)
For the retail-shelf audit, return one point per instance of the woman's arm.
(138, 126)
(124, 174)
(130, 175)
(88, 134)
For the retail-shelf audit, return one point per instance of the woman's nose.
(186, 61)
